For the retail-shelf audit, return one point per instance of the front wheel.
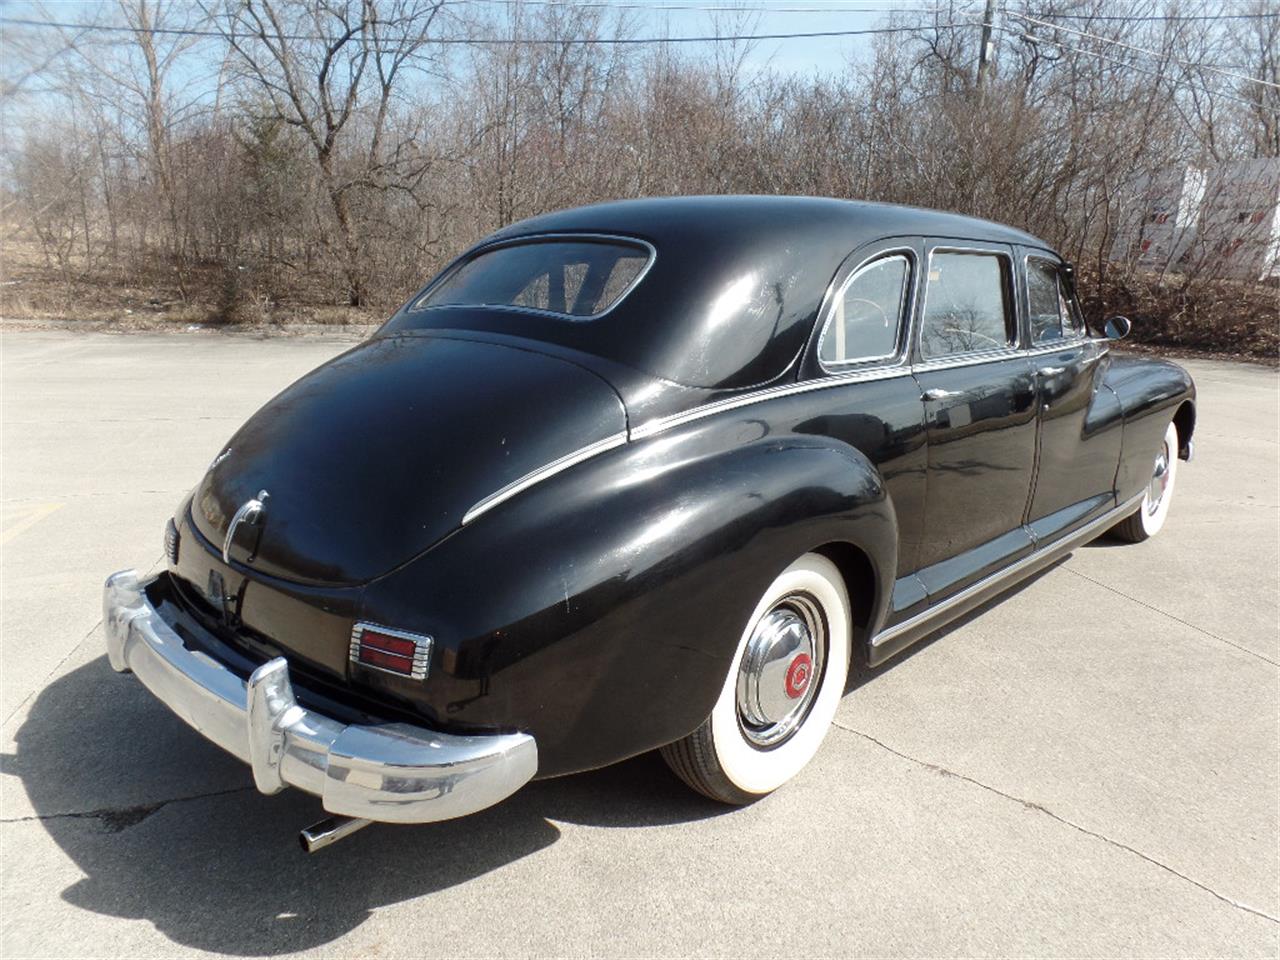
(783, 687)
(1147, 520)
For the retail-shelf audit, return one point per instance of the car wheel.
(783, 687)
(1147, 520)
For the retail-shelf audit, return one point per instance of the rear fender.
(600, 610)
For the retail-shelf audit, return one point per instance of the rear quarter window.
(575, 279)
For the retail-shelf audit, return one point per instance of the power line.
(1123, 63)
(498, 41)
(1144, 50)
(714, 8)
(845, 6)
(1174, 17)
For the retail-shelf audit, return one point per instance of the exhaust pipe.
(328, 831)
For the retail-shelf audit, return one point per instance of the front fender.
(1151, 393)
(600, 610)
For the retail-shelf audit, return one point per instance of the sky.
(822, 55)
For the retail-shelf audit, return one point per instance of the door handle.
(1052, 371)
(940, 394)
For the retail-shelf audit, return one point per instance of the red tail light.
(392, 651)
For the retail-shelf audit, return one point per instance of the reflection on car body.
(645, 475)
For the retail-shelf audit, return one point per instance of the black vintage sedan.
(646, 475)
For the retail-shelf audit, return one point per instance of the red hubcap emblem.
(797, 680)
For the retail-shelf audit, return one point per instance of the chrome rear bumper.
(393, 772)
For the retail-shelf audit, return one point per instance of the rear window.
(575, 279)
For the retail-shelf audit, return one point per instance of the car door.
(1080, 419)
(870, 399)
(978, 392)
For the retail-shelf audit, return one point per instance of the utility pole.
(987, 51)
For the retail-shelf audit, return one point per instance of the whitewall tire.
(781, 692)
(1146, 521)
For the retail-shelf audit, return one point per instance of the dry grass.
(35, 291)
(1222, 318)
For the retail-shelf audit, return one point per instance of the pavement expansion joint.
(1040, 808)
(1165, 613)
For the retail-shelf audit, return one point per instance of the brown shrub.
(1218, 316)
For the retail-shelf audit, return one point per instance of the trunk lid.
(378, 454)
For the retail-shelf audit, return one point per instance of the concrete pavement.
(1087, 767)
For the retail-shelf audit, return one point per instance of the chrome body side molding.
(759, 396)
(884, 372)
(542, 473)
(900, 636)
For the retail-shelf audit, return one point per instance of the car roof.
(733, 289)
(666, 221)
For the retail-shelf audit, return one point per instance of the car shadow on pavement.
(862, 675)
(169, 829)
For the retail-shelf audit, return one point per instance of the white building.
(1160, 226)
(1240, 220)
(1225, 221)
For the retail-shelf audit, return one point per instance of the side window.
(867, 313)
(968, 306)
(1052, 315)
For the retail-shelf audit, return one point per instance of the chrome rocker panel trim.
(395, 772)
(892, 640)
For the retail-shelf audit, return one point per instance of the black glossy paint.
(600, 608)
(1081, 426)
(378, 454)
(982, 445)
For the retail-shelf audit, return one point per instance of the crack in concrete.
(117, 819)
(1163, 613)
(43, 423)
(1040, 808)
(58, 666)
(97, 493)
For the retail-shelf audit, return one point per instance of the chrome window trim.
(973, 359)
(542, 473)
(905, 311)
(967, 360)
(1012, 349)
(1060, 345)
(475, 252)
(652, 427)
(1076, 335)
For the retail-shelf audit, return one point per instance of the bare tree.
(291, 154)
(315, 63)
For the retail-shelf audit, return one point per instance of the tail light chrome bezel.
(389, 655)
(172, 542)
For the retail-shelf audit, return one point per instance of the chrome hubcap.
(781, 670)
(1159, 480)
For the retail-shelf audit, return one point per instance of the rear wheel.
(783, 687)
(1147, 520)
